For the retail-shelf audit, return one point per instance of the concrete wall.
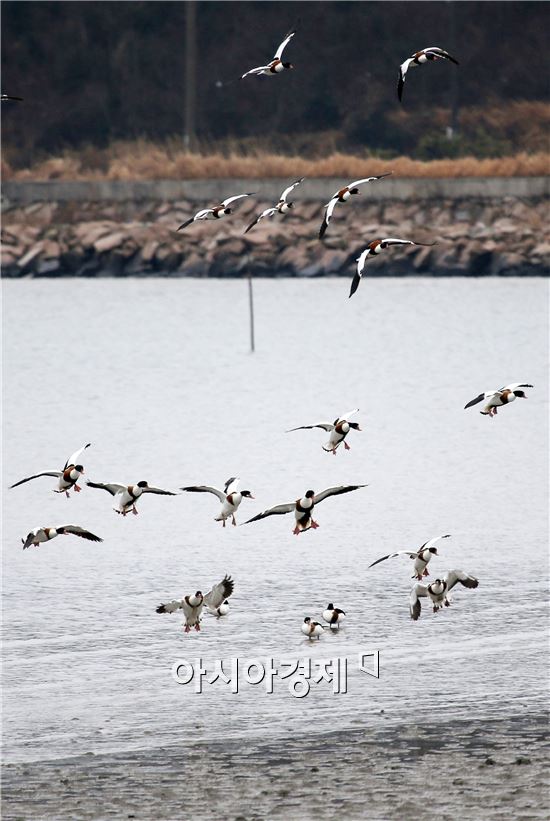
(315, 189)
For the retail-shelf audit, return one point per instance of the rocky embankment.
(474, 236)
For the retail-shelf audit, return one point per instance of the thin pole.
(190, 73)
(251, 306)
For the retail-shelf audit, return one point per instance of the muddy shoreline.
(495, 769)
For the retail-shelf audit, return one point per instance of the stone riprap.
(475, 236)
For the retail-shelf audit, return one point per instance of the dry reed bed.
(142, 160)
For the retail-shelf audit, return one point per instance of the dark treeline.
(92, 72)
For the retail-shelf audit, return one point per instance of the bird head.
(310, 494)
(79, 468)
(330, 606)
(520, 394)
(247, 494)
(434, 551)
(307, 620)
(354, 191)
(288, 65)
(142, 484)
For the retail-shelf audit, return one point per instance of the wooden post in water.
(251, 307)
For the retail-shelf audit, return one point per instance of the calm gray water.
(158, 376)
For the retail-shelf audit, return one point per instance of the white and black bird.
(221, 610)
(9, 97)
(216, 212)
(126, 496)
(421, 557)
(192, 605)
(338, 430)
(343, 195)
(374, 248)
(333, 615)
(230, 497)
(276, 65)
(303, 508)
(281, 208)
(427, 55)
(45, 534)
(312, 629)
(494, 399)
(438, 591)
(67, 478)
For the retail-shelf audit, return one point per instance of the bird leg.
(67, 494)
(233, 522)
(296, 530)
(314, 525)
(197, 627)
(77, 488)
(134, 510)
(187, 629)
(223, 522)
(447, 603)
(426, 573)
(347, 447)
(436, 608)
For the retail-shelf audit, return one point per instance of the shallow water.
(158, 376)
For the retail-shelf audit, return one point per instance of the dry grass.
(142, 160)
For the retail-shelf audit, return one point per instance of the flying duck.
(303, 508)
(343, 195)
(421, 557)
(312, 629)
(222, 610)
(438, 590)
(216, 212)
(192, 605)
(333, 615)
(44, 534)
(229, 497)
(6, 97)
(281, 208)
(501, 397)
(338, 430)
(126, 496)
(276, 65)
(67, 477)
(375, 247)
(429, 54)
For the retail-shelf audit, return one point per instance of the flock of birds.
(127, 496)
(230, 497)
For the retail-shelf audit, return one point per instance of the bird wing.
(290, 188)
(418, 591)
(73, 458)
(361, 262)
(515, 385)
(278, 510)
(335, 491)
(393, 555)
(229, 200)
(481, 397)
(30, 537)
(158, 491)
(452, 577)
(441, 53)
(369, 179)
(205, 489)
(328, 214)
(231, 485)
(220, 592)
(433, 541)
(80, 531)
(186, 223)
(113, 489)
(286, 41)
(395, 241)
(171, 606)
(324, 425)
(56, 473)
(10, 97)
(258, 70)
(347, 415)
(403, 68)
(267, 213)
